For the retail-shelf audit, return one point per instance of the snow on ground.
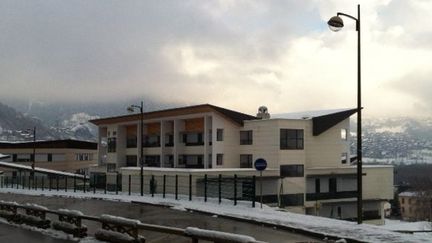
(398, 225)
(325, 226)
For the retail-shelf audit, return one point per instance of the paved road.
(17, 235)
(161, 216)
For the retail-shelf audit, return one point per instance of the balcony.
(192, 138)
(151, 141)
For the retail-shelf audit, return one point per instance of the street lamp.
(335, 24)
(33, 131)
(141, 160)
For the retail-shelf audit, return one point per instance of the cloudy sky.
(233, 53)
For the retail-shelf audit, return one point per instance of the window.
(291, 171)
(219, 159)
(152, 160)
(49, 157)
(192, 139)
(245, 160)
(344, 135)
(111, 167)
(339, 212)
(403, 200)
(131, 141)
(112, 144)
(291, 139)
(317, 185)
(344, 158)
(14, 158)
(151, 141)
(131, 160)
(219, 134)
(246, 137)
(169, 140)
(332, 185)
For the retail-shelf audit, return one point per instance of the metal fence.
(180, 187)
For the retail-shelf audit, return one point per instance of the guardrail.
(112, 227)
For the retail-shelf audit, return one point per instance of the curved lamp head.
(130, 109)
(335, 23)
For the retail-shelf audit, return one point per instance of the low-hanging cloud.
(239, 54)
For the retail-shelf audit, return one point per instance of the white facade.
(309, 167)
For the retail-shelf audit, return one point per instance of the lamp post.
(335, 24)
(141, 161)
(27, 133)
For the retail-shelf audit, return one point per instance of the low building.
(310, 168)
(415, 206)
(61, 155)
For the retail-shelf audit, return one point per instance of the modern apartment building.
(62, 155)
(415, 206)
(310, 168)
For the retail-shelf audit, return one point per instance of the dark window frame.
(247, 139)
(293, 170)
(291, 139)
(219, 134)
(249, 162)
(219, 159)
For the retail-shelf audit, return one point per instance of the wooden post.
(74, 183)
(66, 183)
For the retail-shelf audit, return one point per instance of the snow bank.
(36, 206)
(221, 236)
(119, 220)
(69, 212)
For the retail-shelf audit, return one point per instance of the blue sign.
(260, 164)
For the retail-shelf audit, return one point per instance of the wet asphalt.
(146, 214)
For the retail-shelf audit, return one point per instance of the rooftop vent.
(263, 113)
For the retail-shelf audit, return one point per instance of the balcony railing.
(330, 195)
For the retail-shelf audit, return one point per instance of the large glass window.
(131, 141)
(291, 171)
(245, 160)
(291, 139)
(246, 137)
(344, 134)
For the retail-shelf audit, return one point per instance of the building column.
(176, 142)
(206, 142)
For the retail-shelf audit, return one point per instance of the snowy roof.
(408, 194)
(307, 115)
(38, 169)
(4, 156)
(65, 143)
